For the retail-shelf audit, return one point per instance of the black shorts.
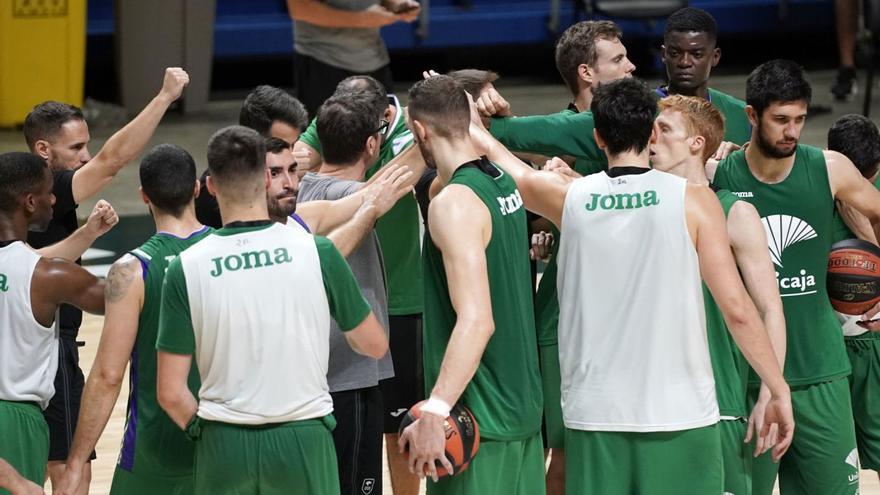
(63, 410)
(407, 387)
(358, 440)
(316, 81)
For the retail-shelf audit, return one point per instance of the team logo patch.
(783, 231)
(398, 412)
(367, 486)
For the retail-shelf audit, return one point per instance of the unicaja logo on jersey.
(511, 203)
(3, 286)
(622, 201)
(782, 232)
(853, 460)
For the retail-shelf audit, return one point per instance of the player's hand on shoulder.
(724, 150)
(387, 188)
(102, 218)
(175, 80)
(559, 166)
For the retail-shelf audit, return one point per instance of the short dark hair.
(365, 88)
(692, 20)
(777, 81)
(343, 126)
(623, 114)
(45, 121)
(168, 176)
(236, 153)
(266, 104)
(473, 80)
(577, 46)
(276, 145)
(440, 102)
(857, 138)
(20, 173)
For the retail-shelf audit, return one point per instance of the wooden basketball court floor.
(108, 446)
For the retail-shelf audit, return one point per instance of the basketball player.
(399, 238)
(480, 346)
(15, 483)
(156, 456)
(686, 132)
(31, 290)
(257, 297)
(58, 133)
(777, 174)
(638, 395)
(690, 51)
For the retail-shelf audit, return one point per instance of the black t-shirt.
(63, 224)
(207, 209)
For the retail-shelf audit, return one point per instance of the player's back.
(152, 444)
(28, 350)
(632, 336)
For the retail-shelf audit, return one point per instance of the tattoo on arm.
(121, 275)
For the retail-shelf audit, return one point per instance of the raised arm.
(123, 300)
(707, 227)
(101, 220)
(128, 142)
(460, 227)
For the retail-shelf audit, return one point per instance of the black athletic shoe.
(845, 85)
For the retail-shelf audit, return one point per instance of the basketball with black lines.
(462, 436)
(854, 276)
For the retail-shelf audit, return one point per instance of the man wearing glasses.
(351, 132)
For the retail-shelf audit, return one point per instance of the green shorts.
(864, 386)
(822, 458)
(24, 439)
(295, 458)
(552, 382)
(737, 457)
(499, 468)
(684, 462)
(131, 483)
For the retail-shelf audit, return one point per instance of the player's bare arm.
(749, 243)
(856, 222)
(461, 228)
(128, 142)
(57, 281)
(171, 387)
(16, 483)
(123, 301)
(368, 338)
(707, 228)
(100, 221)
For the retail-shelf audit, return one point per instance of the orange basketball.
(462, 436)
(854, 276)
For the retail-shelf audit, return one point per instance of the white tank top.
(632, 333)
(28, 350)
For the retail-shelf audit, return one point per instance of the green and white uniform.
(797, 215)
(252, 303)
(637, 383)
(863, 349)
(731, 371)
(28, 360)
(398, 230)
(156, 456)
(505, 392)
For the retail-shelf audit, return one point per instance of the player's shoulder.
(722, 98)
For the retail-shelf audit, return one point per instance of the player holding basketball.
(480, 346)
(257, 298)
(31, 290)
(793, 187)
(638, 395)
(156, 456)
(686, 132)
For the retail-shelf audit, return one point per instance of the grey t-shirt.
(353, 49)
(349, 370)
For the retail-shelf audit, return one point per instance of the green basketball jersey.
(737, 128)
(505, 393)
(398, 229)
(152, 444)
(841, 231)
(729, 367)
(797, 215)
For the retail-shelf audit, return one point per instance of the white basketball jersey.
(28, 350)
(632, 333)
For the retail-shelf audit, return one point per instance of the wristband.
(437, 407)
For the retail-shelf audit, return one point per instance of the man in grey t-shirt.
(334, 39)
(350, 131)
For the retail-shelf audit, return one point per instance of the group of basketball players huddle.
(692, 236)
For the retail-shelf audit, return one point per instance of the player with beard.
(793, 186)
